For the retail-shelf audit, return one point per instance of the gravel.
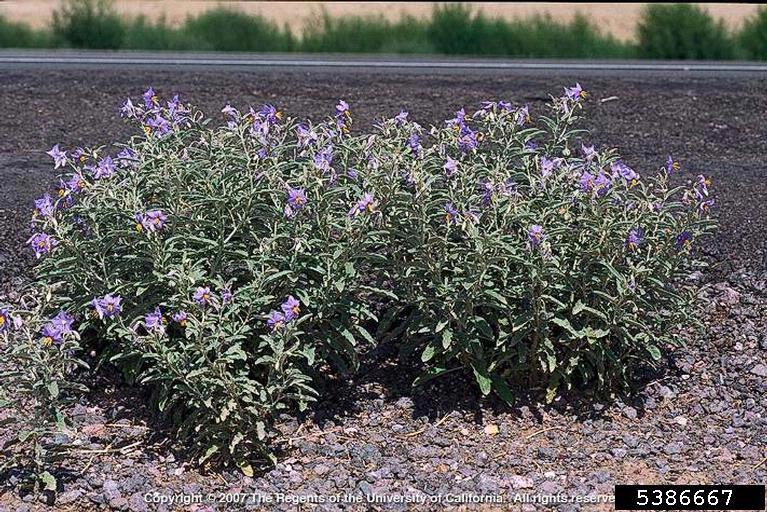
(702, 420)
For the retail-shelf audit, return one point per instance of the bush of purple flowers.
(221, 267)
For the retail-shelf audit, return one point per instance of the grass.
(678, 31)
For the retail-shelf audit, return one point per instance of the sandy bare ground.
(618, 19)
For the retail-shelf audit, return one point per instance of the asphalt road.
(63, 59)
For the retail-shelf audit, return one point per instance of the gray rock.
(69, 497)
(321, 469)
(673, 448)
(760, 370)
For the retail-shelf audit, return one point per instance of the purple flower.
(602, 184)
(45, 206)
(351, 173)
(276, 320)
(230, 112)
(50, 334)
(270, 114)
(671, 164)
(202, 296)
(683, 239)
(488, 190)
(226, 296)
(154, 321)
(59, 157)
(467, 141)
(152, 221)
(63, 322)
(598, 185)
(324, 158)
(531, 146)
(401, 118)
(296, 198)
(575, 93)
(621, 170)
(128, 109)
(485, 107)
(366, 203)
(150, 99)
(157, 125)
(587, 181)
(127, 158)
(523, 115)
(108, 306)
(79, 155)
(76, 183)
(588, 152)
(548, 165)
(291, 308)
(181, 318)
(706, 205)
(4, 319)
(535, 235)
(635, 238)
(450, 167)
(458, 121)
(42, 243)
(105, 168)
(414, 143)
(701, 187)
(176, 110)
(342, 109)
(306, 136)
(451, 214)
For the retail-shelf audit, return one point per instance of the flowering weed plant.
(223, 267)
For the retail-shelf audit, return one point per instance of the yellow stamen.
(47, 341)
(139, 227)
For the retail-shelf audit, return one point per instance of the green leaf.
(654, 352)
(483, 379)
(447, 338)
(365, 334)
(246, 468)
(428, 353)
(48, 480)
(502, 389)
(209, 453)
(53, 389)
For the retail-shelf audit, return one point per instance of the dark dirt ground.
(703, 420)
